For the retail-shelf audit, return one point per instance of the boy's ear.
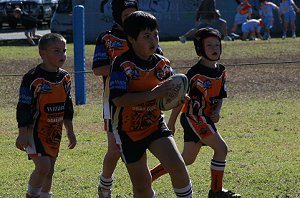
(42, 53)
(130, 39)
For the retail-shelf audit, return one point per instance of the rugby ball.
(175, 95)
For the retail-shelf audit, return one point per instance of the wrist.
(23, 131)
(171, 122)
(70, 132)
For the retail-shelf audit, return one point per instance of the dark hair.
(49, 38)
(118, 6)
(139, 21)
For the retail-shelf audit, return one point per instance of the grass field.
(260, 122)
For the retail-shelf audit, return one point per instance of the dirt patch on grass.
(244, 81)
(256, 78)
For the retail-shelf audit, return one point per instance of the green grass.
(262, 132)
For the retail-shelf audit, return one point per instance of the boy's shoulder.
(37, 72)
(198, 67)
(161, 57)
(32, 72)
(129, 55)
(31, 75)
(109, 34)
(63, 72)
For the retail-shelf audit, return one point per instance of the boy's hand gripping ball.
(176, 95)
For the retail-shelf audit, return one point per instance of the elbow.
(102, 71)
(117, 102)
(97, 72)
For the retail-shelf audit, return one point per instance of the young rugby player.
(138, 124)
(44, 105)
(207, 89)
(109, 45)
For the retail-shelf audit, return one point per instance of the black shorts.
(133, 151)
(205, 128)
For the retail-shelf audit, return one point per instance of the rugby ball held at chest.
(175, 95)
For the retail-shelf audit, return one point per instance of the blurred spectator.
(207, 16)
(251, 29)
(243, 13)
(266, 13)
(287, 8)
(29, 23)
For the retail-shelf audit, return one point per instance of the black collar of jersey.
(144, 64)
(40, 69)
(207, 71)
(52, 76)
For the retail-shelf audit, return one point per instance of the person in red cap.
(110, 44)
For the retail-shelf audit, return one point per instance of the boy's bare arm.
(131, 99)
(102, 71)
(296, 7)
(70, 133)
(22, 139)
(173, 117)
(215, 116)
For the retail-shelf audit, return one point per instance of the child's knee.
(220, 149)
(176, 167)
(114, 154)
(43, 170)
(189, 159)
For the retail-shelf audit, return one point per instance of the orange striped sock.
(217, 173)
(216, 180)
(157, 171)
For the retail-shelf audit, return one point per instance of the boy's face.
(146, 43)
(212, 47)
(54, 55)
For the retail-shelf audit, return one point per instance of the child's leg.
(140, 178)
(285, 28)
(109, 163)
(209, 136)
(29, 39)
(293, 28)
(245, 36)
(38, 176)
(34, 35)
(46, 188)
(234, 27)
(218, 162)
(157, 172)
(166, 151)
(189, 154)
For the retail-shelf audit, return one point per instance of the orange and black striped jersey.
(206, 86)
(109, 44)
(44, 102)
(131, 74)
